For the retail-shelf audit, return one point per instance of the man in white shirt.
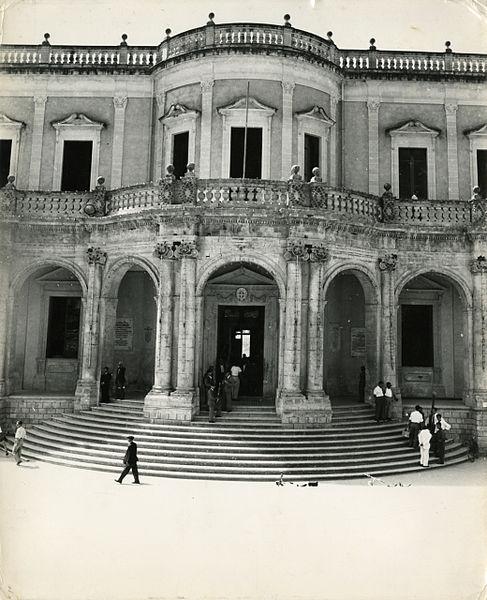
(424, 438)
(415, 420)
(379, 401)
(20, 435)
(235, 371)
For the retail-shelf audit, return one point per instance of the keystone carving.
(388, 262)
(479, 265)
(96, 256)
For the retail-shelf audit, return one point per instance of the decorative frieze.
(176, 250)
(388, 262)
(297, 250)
(479, 265)
(96, 256)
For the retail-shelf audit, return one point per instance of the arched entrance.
(241, 325)
(350, 330)
(432, 332)
(46, 341)
(130, 327)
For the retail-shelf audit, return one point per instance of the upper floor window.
(179, 137)
(258, 118)
(413, 155)
(478, 158)
(313, 134)
(9, 147)
(77, 153)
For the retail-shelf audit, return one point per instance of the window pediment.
(254, 106)
(317, 113)
(179, 111)
(413, 128)
(77, 120)
(479, 132)
(7, 122)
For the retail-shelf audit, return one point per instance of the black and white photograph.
(243, 300)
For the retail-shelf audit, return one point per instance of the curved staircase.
(248, 444)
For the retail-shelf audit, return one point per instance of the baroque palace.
(153, 212)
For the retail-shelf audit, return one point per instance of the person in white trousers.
(424, 438)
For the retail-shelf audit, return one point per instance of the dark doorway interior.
(76, 173)
(5, 152)
(241, 331)
(413, 173)
(63, 327)
(253, 159)
(180, 153)
(311, 155)
(482, 172)
(417, 335)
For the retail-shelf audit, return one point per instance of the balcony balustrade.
(277, 198)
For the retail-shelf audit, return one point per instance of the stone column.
(206, 119)
(388, 323)
(451, 137)
(5, 249)
(159, 136)
(158, 398)
(287, 128)
(317, 399)
(373, 119)
(120, 104)
(87, 388)
(332, 178)
(478, 395)
(37, 137)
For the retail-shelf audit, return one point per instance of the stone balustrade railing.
(238, 36)
(282, 197)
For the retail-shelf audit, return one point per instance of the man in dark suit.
(130, 461)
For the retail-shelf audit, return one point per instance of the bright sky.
(396, 24)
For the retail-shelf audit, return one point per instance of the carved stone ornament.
(388, 204)
(179, 110)
(318, 253)
(288, 86)
(96, 256)
(186, 250)
(120, 102)
(207, 85)
(479, 265)
(373, 104)
(241, 294)
(316, 113)
(96, 205)
(163, 251)
(451, 108)
(388, 262)
(296, 250)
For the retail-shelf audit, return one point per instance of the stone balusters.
(388, 372)
(86, 393)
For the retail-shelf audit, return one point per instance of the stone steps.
(247, 444)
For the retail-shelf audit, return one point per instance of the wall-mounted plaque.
(357, 341)
(124, 333)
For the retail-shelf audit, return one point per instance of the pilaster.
(159, 136)
(87, 388)
(287, 127)
(37, 137)
(452, 150)
(478, 268)
(333, 140)
(206, 119)
(120, 104)
(373, 106)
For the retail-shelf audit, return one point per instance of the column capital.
(40, 101)
(387, 263)
(207, 85)
(451, 109)
(288, 87)
(334, 99)
(296, 250)
(479, 265)
(96, 256)
(176, 250)
(373, 104)
(120, 102)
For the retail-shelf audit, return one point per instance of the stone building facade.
(108, 255)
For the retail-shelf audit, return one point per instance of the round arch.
(116, 271)
(456, 280)
(364, 274)
(213, 265)
(21, 277)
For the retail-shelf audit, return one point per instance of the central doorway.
(241, 342)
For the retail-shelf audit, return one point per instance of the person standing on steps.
(361, 384)
(120, 382)
(130, 461)
(389, 396)
(379, 401)
(440, 439)
(227, 391)
(3, 441)
(416, 418)
(209, 382)
(235, 371)
(20, 435)
(424, 438)
(105, 384)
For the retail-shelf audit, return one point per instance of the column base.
(313, 410)
(85, 395)
(161, 405)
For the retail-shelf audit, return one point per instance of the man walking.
(20, 435)
(130, 461)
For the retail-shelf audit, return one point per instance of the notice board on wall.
(124, 333)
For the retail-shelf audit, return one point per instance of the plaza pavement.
(69, 534)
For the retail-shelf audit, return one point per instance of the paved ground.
(70, 534)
